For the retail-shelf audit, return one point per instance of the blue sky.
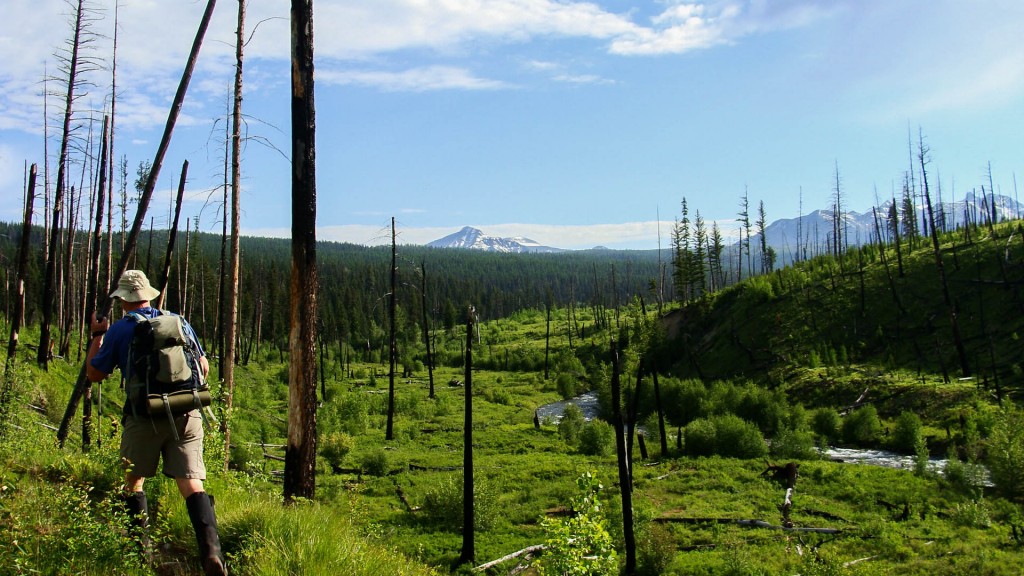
(575, 124)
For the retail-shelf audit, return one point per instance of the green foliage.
(684, 400)
(375, 462)
(700, 438)
(1005, 454)
(965, 478)
(767, 410)
(795, 444)
(570, 427)
(907, 433)
(264, 538)
(826, 423)
(737, 438)
(597, 438)
(569, 374)
(566, 385)
(724, 435)
(335, 446)
(972, 514)
(655, 550)
(579, 545)
(862, 427)
(443, 504)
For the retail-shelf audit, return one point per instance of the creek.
(587, 404)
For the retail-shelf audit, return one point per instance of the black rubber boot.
(138, 514)
(204, 522)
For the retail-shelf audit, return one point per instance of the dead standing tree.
(103, 309)
(426, 325)
(300, 454)
(18, 314)
(50, 289)
(165, 272)
(468, 553)
(392, 309)
(94, 277)
(230, 314)
(965, 368)
(622, 457)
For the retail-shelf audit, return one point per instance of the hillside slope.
(883, 309)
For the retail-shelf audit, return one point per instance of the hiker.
(145, 438)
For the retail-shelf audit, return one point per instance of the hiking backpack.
(164, 373)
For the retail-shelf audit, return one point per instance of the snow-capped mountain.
(474, 239)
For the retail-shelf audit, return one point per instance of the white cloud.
(413, 80)
(361, 29)
(581, 79)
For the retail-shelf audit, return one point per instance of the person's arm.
(97, 328)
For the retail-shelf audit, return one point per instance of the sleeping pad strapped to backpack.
(165, 376)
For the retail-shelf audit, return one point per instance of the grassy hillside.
(781, 357)
(881, 312)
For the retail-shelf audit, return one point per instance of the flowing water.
(587, 404)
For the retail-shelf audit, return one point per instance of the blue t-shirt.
(118, 340)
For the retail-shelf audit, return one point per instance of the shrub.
(352, 415)
(700, 438)
(964, 477)
(826, 424)
(1005, 454)
(655, 551)
(684, 401)
(501, 396)
(571, 425)
(374, 463)
(738, 438)
(443, 504)
(907, 433)
(765, 409)
(566, 385)
(973, 514)
(797, 444)
(335, 446)
(597, 438)
(862, 426)
(580, 544)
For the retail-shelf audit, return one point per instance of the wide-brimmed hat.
(134, 287)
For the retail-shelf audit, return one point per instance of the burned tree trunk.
(300, 455)
(426, 326)
(392, 309)
(965, 368)
(625, 478)
(165, 271)
(227, 361)
(468, 553)
(94, 278)
(18, 314)
(661, 415)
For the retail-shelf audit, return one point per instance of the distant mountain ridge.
(474, 239)
(812, 230)
(815, 228)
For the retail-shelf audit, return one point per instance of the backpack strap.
(137, 318)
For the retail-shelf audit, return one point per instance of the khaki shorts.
(144, 440)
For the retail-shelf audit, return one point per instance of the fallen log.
(434, 469)
(525, 551)
(746, 523)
